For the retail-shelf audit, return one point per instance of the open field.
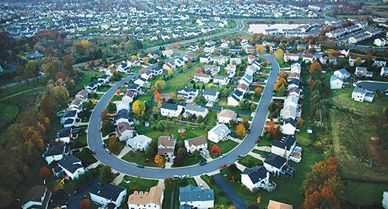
(140, 184)
(8, 114)
(179, 80)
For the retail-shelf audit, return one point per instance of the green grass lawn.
(260, 152)
(211, 118)
(86, 78)
(179, 80)
(343, 98)
(363, 193)
(225, 146)
(220, 196)
(141, 184)
(193, 159)
(139, 158)
(250, 161)
(8, 114)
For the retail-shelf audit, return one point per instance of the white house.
(141, 81)
(342, 73)
(196, 144)
(295, 68)
(254, 178)
(275, 164)
(71, 166)
(166, 147)
(37, 197)
(380, 42)
(188, 93)
(212, 69)
(108, 195)
(64, 135)
(204, 59)
(236, 61)
(168, 52)
(193, 109)
(384, 71)
(288, 127)
(125, 131)
(55, 152)
(171, 110)
(196, 197)
(210, 95)
(139, 142)
(200, 77)
(363, 71)
(220, 80)
(283, 147)
(226, 116)
(361, 95)
(288, 111)
(336, 82)
(218, 133)
(290, 57)
(235, 97)
(230, 69)
(152, 199)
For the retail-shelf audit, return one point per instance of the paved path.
(201, 182)
(95, 140)
(124, 151)
(263, 148)
(257, 156)
(240, 166)
(118, 179)
(234, 197)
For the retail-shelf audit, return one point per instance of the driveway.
(94, 137)
(233, 196)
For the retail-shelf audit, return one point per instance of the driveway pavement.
(234, 197)
(95, 140)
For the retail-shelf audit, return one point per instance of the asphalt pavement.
(94, 137)
(373, 85)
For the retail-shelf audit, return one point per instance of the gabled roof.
(286, 141)
(65, 132)
(275, 160)
(256, 174)
(197, 141)
(108, 191)
(210, 92)
(192, 193)
(70, 163)
(169, 106)
(70, 114)
(195, 108)
(55, 149)
(35, 194)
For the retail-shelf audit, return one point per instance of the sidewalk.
(257, 156)
(124, 151)
(263, 148)
(118, 179)
(94, 165)
(240, 167)
(201, 182)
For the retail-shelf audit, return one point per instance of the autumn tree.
(260, 48)
(31, 69)
(159, 84)
(258, 90)
(215, 150)
(159, 160)
(106, 174)
(44, 172)
(315, 67)
(279, 55)
(84, 204)
(299, 122)
(282, 90)
(138, 108)
(114, 144)
(241, 130)
(272, 128)
(358, 61)
(281, 81)
(170, 72)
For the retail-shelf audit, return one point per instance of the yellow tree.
(159, 160)
(169, 72)
(279, 55)
(258, 90)
(138, 108)
(160, 84)
(258, 200)
(241, 130)
(260, 48)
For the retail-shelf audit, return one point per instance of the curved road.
(94, 137)
(373, 85)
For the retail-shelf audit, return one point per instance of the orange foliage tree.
(315, 66)
(241, 130)
(258, 90)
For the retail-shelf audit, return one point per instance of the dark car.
(239, 157)
(94, 152)
(202, 163)
(224, 166)
(140, 166)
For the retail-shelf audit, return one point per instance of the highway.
(95, 142)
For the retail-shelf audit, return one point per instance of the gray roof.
(256, 173)
(359, 90)
(194, 107)
(70, 163)
(192, 193)
(108, 191)
(55, 149)
(169, 106)
(275, 160)
(210, 92)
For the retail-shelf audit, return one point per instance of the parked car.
(202, 163)
(224, 166)
(140, 166)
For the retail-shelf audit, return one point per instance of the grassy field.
(86, 78)
(138, 157)
(249, 161)
(363, 193)
(225, 146)
(8, 114)
(179, 80)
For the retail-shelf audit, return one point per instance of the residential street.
(95, 139)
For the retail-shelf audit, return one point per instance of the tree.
(231, 207)
(260, 48)
(315, 67)
(44, 171)
(279, 82)
(282, 89)
(258, 200)
(106, 174)
(157, 96)
(358, 61)
(138, 107)
(31, 69)
(114, 145)
(279, 55)
(170, 72)
(258, 90)
(84, 204)
(240, 130)
(159, 160)
(160, 84)
(299, 122)
(215, 150)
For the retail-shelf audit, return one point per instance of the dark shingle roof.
(108, 191)
(65, 132)
(286, 141)
(275, 160)
(192, 193)
(70, 163)
(169, 106)
(256, 173)
(55, 149)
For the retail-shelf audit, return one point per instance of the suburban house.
(141, 81)
(384, 71)
(210, 95)
(204, 59)
(70, 114)
(361, 95)
(91, 87)
(363, 71)
(155, 70)
(290, 57)
(379, 62)
(83, 95)
(37, 197)
(188, 93)
(169, 65)
(121, 116)
(196, 197)
(218, 133)
(151, 199)
(230, 69)
(196, 144)
(255, 178)
(236, 61)
(139, 142)
(135, 88)
(235, 97)
(201, 77)
(342, 73)
(221, 80)
(380, 42)
(55, 152)
(220, 60)
(295, 68)
(283, 147)
(336, 82)
(226, 116)
(108, 195)
(125, 131)
(251, 69)
(288, 127)
(179, 61)
(168, 52)
(147, 75)
(278, 205)
(166, 147)
(64, 135)
(170, 110)
(288, 111)
(196, 110)
(276, 164)
(247, 79)
(212, 69)
(128, 97)
(71, 166)
(243, 87)
(104, 79)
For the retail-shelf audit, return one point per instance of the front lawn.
(225, 146)
(179, 80)
(138, 157)
(137, 184)
(249, 161)
(220, 196)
